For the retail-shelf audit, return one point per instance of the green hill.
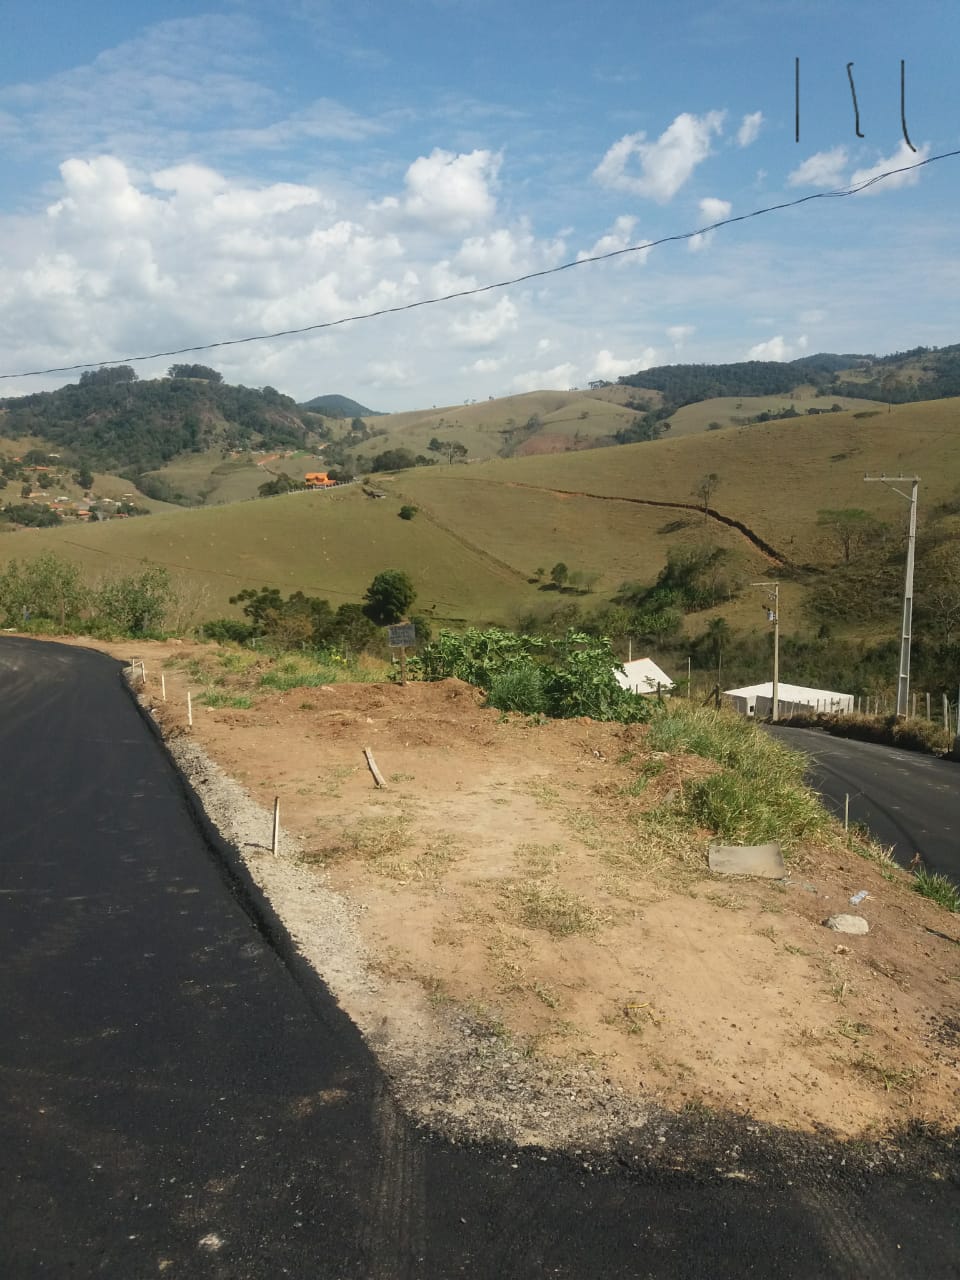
(613, 514)
(339, 407)
(111, 421)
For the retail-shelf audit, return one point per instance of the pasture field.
(483, 529)
(697, 417)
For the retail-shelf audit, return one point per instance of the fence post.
(928, 706)
(276, 825)
(189, 709)
(163, 687)
(946, 713)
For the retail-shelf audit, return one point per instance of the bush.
(226, 629)
(407, 512)
(520, 689)
(134, 606)
(574, 673)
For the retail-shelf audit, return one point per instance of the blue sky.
(177, 174)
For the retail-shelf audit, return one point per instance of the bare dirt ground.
(533, 961)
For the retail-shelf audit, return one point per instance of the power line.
(487, 288)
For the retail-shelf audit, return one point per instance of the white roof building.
(757, 699)
(642, 675)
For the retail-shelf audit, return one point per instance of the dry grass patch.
(546, 905)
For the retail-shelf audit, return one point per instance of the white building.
(757, 699)
(642, 675)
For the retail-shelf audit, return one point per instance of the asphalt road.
(176, 1100)
(908, 801)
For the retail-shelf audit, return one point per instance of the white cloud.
(452, 192)
(620, 236)
(606, 364)
(484, 365)
(482, 326)
(822, 169)
(561, 375)
(390, 373)
(900, 159)
(506, 252)
(813, 316)
(665, 165)
(749, 129)
(711, 210)
(778, 349)
(678, 333)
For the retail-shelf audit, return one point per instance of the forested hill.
(335, 406)
(111, 421)
(921, 374)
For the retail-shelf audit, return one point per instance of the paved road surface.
(176, 1101)
(907, 800)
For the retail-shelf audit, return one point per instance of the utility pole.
(903, 677)
(773, 615)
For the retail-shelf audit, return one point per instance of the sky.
(181, 174)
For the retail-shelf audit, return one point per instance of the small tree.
(135, 605)
(407, 512)
(705, 490)
(388, 597)
(559, 574)
(850, 527)
(84, 478)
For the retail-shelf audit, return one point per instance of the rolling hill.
(483, 529)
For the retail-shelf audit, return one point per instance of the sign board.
(402, 636)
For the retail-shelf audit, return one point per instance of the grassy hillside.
(211, 477)
(327, 544)
(775, 477)
(724, 409)
(483, 529)
(568, 419)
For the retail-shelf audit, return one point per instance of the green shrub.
(227, 629)
(519, 689)
(575, 671)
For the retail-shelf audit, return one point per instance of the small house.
(642, 675)
(757, 699)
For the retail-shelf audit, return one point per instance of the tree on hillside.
(939, 594)
(559, 574)
(850, 528)
(705, 490)
(84, 478)
(282, 483)
(107, 376)
(452, 449)
(194, 371)
(388, 597)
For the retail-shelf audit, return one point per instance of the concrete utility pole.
(903, 678)
(773, 615)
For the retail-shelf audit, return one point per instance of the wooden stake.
(377, 775)
(928, 706)
(946, 713)
(189, 709)
(276, 825)
(163, 686)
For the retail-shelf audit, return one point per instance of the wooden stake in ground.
(377, 775)
(275, 845)
(189, 709)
